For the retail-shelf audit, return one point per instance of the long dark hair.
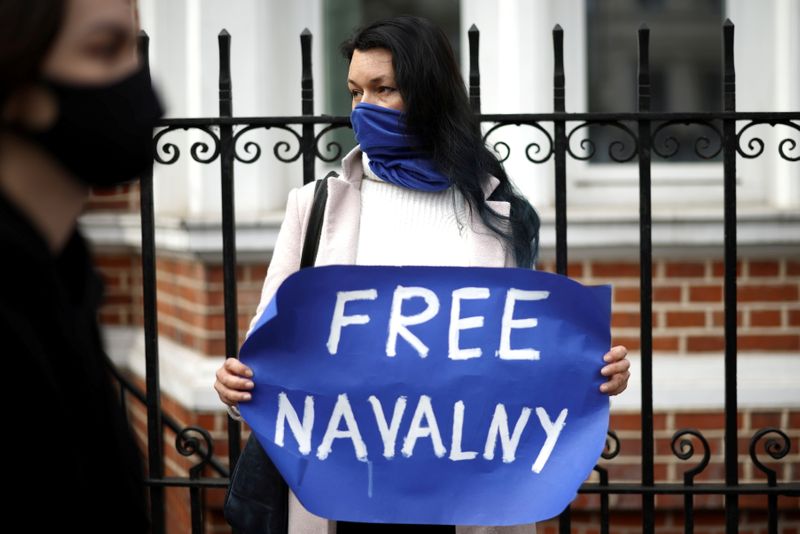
(28, 28)
(437, 110)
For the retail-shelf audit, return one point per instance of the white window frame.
(591, 184)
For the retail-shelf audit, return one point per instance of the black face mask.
(103, 133)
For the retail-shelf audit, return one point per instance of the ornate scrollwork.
(502, 144)
(550, 148)
(534, 145)
(701, 145)
(683, 448)
(331, 146)
(252, 150)
(195, 440)
(611, 450)
(792, 144)
(775, 447)
(588, 146)
(200, 150)
(755, 145)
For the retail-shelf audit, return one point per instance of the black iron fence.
(639, 129)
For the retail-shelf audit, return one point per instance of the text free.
(399, 324)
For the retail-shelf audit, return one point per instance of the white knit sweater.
(401, 226)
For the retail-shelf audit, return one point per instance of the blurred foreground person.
(77, 111)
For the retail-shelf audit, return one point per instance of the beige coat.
(338, 245)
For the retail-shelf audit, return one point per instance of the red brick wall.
(191, 305)
(688, 307)
(189, 298)
(688, 304)
(122, 275)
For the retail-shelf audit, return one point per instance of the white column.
(755, 75)
(167, 25)
(265, 72)
(786, 193)
(767, 79)
(516, 62)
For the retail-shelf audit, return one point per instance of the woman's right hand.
(233, 382)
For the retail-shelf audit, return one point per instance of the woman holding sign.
(420, 189)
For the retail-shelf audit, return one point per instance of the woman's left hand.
(617, 369)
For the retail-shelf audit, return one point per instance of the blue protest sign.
(437, 395)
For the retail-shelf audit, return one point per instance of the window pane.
(685, 64)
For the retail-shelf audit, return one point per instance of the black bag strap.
(257, 499)
(315, 220)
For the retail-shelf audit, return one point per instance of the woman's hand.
(233, 382)
(617, 368)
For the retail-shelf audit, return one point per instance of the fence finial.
(559, 104)
(307, 77)
(644, 68)
(729, 71)
(307, 106)
(473, 35)
(225, 85)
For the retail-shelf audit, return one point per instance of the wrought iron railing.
(645, 134)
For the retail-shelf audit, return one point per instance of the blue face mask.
(394, 154)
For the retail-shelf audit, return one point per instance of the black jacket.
(72, 462)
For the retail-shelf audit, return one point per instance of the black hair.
(437, 110)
